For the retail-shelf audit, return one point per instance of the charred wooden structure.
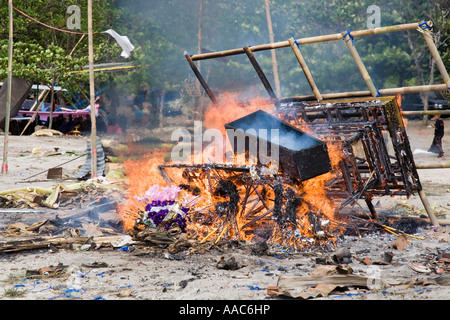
(375, 159)
(372, 126)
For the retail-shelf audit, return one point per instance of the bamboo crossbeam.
(382, 92)
(412, 89)
(426, 113)
(308, 40)
(433, 165)
(305, 69)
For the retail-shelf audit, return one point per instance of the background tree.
(42, 54)
(163, 30)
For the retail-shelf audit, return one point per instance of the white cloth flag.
(123, 41)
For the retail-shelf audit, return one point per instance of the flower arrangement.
(163, 209)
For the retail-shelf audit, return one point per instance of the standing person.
(436, 146)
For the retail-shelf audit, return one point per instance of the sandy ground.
(112, 274)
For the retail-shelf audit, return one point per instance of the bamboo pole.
(273, 52)
(8, 92)
(324, 38)
(92, 95)
(52, 101)
(413, 89)
(199, 98)
(426, 113)
(35, 113)
(261, 75)
(428, 209)
(434, 52)
(200, 32)
(383, 92)
(76, 45)
(348, 38)
(305, 69)
(200, 78)
(433, 165)
(41, 95)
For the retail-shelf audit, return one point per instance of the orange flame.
(141, 174)
(144, 173)
(229, 109)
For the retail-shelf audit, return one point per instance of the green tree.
(42, 54)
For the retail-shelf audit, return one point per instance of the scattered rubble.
(66, 241)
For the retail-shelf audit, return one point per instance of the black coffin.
(301, 156)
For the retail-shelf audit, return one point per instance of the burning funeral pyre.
(331, 155)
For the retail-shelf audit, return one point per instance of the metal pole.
(8, 92)
(94, 173)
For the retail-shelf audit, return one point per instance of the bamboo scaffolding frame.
(347, 36)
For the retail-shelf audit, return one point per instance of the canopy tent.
(21, 88)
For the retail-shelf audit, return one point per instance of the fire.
(242, 211)
(230, 109)
(141, 174)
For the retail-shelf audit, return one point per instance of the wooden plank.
(43, 242)
(296, 282)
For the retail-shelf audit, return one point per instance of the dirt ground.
(112, 274)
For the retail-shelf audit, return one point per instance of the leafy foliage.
(163, 30)
(42, 53)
